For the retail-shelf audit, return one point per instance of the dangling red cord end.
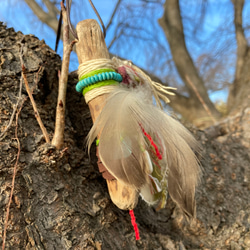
(137, 235)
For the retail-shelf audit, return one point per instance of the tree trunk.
(239, 95)
(171, 24)
(60, 200)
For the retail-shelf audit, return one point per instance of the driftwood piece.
(91, 45)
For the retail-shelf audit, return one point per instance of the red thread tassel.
(137, 235)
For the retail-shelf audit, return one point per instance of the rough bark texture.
(171, 23)
(239, 96)
(60, 199)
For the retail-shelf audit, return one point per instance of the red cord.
(158, 154)
(137, 235)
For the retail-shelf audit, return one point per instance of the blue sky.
(21, 18)
(219, 14)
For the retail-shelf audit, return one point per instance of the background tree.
(206, 60)
(240, 90)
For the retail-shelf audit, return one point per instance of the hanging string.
(133, 221)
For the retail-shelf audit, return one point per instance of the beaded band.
(97, 78)
(95, 72)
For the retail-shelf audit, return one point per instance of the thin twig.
(113, 14)
(30, 92)
(11, 120)
(39, 120)
(19, 102)
(13, 182)
(58, 137)
(99, 18)
(200, 99)
(116, 37)
(73, 32)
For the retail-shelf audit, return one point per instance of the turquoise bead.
(97, 78)
(92, 79)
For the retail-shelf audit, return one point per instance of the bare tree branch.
(240, 37)
(171, 23)
(115, 38)
(201, 99)
(61, 100)
(239, 92)
(39, 120)
(113, 14)
(47, 18)
(52, 9)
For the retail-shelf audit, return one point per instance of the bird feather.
(122, 144)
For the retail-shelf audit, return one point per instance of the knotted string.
(131, 75)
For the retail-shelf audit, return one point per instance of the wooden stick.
(58, 137)
(91, 45)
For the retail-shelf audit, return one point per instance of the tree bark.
(239, 95)
(240, 38)
(60, 199)
(171, 24)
